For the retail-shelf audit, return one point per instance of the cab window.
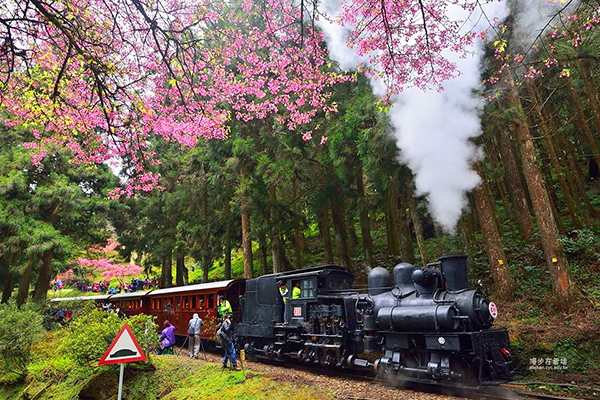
(307, 288)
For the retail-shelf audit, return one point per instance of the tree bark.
(406, 244)
(496, 165)
(515, 186)
(10, 278)
(167, 273)
(278, 252)
(592, 91)
(493, 243)
(548, 179)
(24, 283)
(466, 234)
(562, 281)
(297, 244)
(352, 235)
(590, 211)
(365, 223)
(326, 235)
(43, 281)
(339, 224)
(206, 265)
(182, 273)
(228, 233)
(392, 220)
(246, 241)
(581, 120)
(262, 249)
(564, 186)
(414, 215)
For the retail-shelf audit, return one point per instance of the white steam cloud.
(433, 129)
(532, 16)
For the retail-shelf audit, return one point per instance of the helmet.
(280, 283)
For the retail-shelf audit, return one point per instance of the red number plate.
(297, 311)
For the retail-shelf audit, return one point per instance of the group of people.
(224, 334)
(104, 286)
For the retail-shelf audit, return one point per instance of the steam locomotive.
(428, 325)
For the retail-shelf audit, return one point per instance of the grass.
(53, 375)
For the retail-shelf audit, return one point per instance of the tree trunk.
(352, 235)
(392, 221)
(246, 241)
(182, 272)
(326, 235)
(493, 243)
(466, 234)
(406, 244)
(167, 273)
(564, 186)
(206, 265)
(581, 121)
(43, 282)
(590, 211)
(414, 215)
(515, 186)
(547, 174)
(262, 250)
(339, 224)
(228, 234)
(491, 152)
(365, 223)
(277, 250)
(10, 278)
(297, 244)
(562, 281)
(24, 283)
(205, 244)
(592, 91)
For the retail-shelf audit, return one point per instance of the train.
(425, 325)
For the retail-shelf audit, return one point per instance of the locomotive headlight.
(442, 340)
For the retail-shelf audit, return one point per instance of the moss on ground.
(52, 375)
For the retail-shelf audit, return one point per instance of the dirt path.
(343, 388)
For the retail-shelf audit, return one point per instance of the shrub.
(19, 329)
(92, 332)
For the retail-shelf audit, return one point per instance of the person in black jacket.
(226, 336)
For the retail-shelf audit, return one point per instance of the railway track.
(491, 392)
(487, 392)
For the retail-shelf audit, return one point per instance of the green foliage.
(89, 336)
(19, 329)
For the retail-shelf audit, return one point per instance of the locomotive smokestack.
(454, 269)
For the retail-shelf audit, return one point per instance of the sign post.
(123, 349)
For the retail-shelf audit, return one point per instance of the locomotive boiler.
(426, 324)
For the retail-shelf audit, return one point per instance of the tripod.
(201, 345)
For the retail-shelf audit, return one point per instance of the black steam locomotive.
(428, 325)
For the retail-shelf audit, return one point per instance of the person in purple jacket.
(167, 338)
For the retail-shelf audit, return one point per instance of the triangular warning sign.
(125, 348)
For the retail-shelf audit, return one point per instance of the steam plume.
(433, 129)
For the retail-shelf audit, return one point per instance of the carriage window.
(178, 303)
(193, 302)
(186, 302)
(211, 300)
(201, 303)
